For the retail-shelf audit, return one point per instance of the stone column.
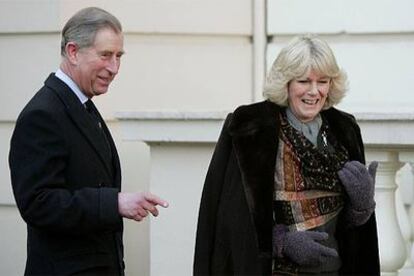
(181, 145)
(391, 242)
(408, 157)
(402, 216)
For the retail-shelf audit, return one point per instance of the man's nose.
(113, 65)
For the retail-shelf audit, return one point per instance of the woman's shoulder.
(339, 114)
(250, 117)
(340, 119)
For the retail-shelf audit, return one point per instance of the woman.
(286, 192)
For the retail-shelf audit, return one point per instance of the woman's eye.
(302, 81)
(323, 81)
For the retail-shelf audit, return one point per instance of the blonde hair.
(302, 54)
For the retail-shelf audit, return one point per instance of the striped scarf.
(308, 192)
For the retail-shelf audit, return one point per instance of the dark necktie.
(91, 108)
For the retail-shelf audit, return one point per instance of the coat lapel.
(346, 130)
(81, 119)
(254, 129)
(115, 158)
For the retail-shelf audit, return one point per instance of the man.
(64, 165)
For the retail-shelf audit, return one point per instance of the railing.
(389, 139)
(181, 144)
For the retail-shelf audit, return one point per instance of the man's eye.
(106, 54)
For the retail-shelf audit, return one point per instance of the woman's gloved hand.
(302, 247)
(359, 184)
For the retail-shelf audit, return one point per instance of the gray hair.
(82, 27)
(304, 53)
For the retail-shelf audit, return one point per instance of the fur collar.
(248, 119)
(255, 140)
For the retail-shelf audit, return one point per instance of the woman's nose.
(313, 89)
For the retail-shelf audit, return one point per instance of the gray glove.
(302, 247)
(359, 184)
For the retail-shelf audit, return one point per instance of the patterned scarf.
(308, 192)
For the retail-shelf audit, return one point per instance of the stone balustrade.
(181, 144)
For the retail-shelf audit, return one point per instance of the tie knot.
(89, 106)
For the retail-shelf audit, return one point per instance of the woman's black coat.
(234, 233)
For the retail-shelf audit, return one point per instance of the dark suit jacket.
(234, 234)
(66, 186)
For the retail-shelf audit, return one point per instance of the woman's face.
(307, 95)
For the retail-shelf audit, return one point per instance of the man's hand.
(137, 205)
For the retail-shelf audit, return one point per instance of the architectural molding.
(394, 130)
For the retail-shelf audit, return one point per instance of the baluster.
(408, 193)
(392, 246)
(402, 192)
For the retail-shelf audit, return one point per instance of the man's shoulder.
(44, 100)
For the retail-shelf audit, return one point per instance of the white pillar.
(403, 221)
(259, 48)
(392, 247)
(181, 145)
(411, 216)
(408, 157)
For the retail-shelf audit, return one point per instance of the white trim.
(378, 129)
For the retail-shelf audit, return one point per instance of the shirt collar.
(73, 86)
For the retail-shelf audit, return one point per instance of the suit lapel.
(79, 116)
(115, 158)
(255, 139)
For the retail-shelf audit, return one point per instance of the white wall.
(193, 55)
(181, 54)
(373, 42)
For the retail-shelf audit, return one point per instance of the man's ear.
(72, 50)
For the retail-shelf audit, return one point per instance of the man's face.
(98, 64)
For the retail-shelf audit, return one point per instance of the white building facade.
(188, 63)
